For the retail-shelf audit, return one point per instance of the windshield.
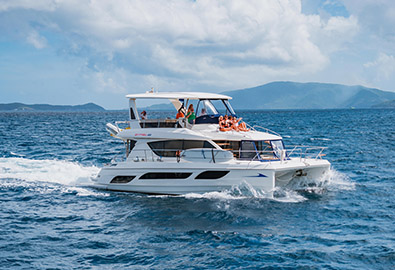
(215, 106)
(206, 107)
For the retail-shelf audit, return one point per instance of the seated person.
(223, 124)
(241, 125)
(143, 115)
(203, 112)
(180, 114)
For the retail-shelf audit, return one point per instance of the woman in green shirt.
(191, 115)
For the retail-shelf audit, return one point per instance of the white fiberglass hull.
(194, 177)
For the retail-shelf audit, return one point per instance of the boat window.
(122, 179)
(223, 107)
(129, 146)
(248, 150)
(169, 148)
(132, 116)
(205, 107)
(165, 175)
(264, 148)
(229, 107)
(212, 174)
(233, 146)
(278, 147)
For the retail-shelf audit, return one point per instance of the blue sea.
(50, 217)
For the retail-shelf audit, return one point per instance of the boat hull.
(174, 178)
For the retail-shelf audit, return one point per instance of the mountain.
(293, 95)
(89, 107)
(385, 104)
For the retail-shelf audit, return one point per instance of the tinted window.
(165, 175)
(212, 174)
(169, 148)
(122, 179)
(130, 145)
(132, 116)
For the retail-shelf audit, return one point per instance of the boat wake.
(47, 175)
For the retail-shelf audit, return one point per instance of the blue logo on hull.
(259, 175)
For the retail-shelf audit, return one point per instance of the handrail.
(302, 152)
(266, 129)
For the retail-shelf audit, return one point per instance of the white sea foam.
(16, 154)
(331, 181)
(320, 139)
(53, 171)
(246, 191)
(44, 176)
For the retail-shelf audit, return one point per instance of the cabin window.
(169, 148)
(132, 116)
(248, 150)
(129, 146)
(233, 146)
(264, 148)
(212, 174)
(122, 179)
(278, 147)
(165, 175)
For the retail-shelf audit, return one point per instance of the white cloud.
(28, 4)
(206, 42)
(376, 16)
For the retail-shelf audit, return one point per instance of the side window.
(132, 116)
(248, 150)
(170, 147)
(130, 145)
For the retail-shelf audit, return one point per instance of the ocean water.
(51, 219)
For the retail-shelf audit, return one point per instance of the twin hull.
(180, 178)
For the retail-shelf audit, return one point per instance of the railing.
(255, 127)
(304, 151)
(213, 155)
(117, 123)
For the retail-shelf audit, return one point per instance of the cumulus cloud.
(376, 16)
(205, 42)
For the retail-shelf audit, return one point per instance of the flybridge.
(207, 107)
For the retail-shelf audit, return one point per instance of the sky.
(75, 52)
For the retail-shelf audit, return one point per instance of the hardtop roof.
(177, 95)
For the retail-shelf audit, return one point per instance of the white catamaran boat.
(177, 156)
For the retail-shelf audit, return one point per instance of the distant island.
(271, 96)
(293, 95)
(21, 107)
